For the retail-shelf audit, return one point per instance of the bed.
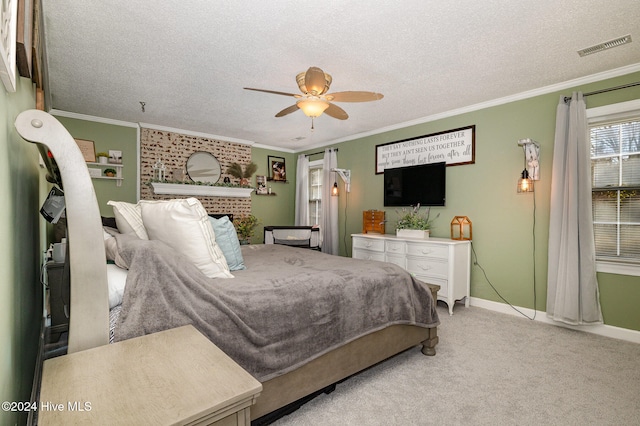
(343, 333)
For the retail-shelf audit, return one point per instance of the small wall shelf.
(202, 190)
(103, 166)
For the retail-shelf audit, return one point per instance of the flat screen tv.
(407, 186)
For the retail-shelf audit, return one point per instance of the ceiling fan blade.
(354, 96)
(288, 110)
(315, 81)
(336, 112)
(271, 91)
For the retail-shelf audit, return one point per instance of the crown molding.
(274, 148)
(196, 134)
(67, 114)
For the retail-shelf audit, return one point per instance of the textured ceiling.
(189, 60)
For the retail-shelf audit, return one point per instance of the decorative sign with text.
(455, 147)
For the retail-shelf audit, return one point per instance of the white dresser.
(433, 260)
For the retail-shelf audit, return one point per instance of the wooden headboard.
(89, 319)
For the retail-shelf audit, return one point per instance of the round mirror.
(203, 167)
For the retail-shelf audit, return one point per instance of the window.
(315, 192)
(615, 181)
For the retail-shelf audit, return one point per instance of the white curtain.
(302, 191)
(572, 287)
(329, 221)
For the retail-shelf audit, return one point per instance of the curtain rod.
(610, 89)
(322, 152)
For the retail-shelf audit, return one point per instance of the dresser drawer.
(368, 255)
(396, 247)
(371, 244)
(438, 251)
(427, 267)
(444, 284)
(396, 259)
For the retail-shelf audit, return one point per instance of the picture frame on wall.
(277, 169)
(24, 37)
(115, 156)
(454, 147)
(8, 31)
(261, 185)
(88, 150)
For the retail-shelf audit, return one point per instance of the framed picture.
(88, 150)
(277, 169)
(455, 147)
(24, 39)
(261, 185)
(8, 31)
(115, 156)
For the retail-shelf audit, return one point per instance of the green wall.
(278, 209)
(106, 137)
(22, 231)
(503, 220)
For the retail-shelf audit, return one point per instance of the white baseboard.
(600, 329)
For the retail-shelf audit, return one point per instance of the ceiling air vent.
(606, 45)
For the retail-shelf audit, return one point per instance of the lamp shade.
(312, 107)
(334, 189)
(525, 184)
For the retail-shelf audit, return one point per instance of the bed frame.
(89, 321)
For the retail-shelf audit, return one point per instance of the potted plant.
(413, 223)
(245, 226)
(110, 172)
(236, 171)
(102, 157)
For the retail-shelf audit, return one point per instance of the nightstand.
(175, 376)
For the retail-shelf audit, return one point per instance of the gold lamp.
(525, 183)
(334, 189)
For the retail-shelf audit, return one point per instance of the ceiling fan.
(314, 100)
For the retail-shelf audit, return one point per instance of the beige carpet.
(491, 369)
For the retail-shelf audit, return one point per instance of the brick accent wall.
(174, 149)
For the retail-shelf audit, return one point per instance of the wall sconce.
(461, 228)
(345, 174)
(525, 183)
(531, 170)
(334, 189)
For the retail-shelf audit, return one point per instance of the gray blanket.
(288, 307)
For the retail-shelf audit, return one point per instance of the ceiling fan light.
(312, 107)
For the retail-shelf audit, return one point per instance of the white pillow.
(110, 246)
(183, 224)
(129, 218)
(116, 279)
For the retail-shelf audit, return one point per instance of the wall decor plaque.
(455, 147)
